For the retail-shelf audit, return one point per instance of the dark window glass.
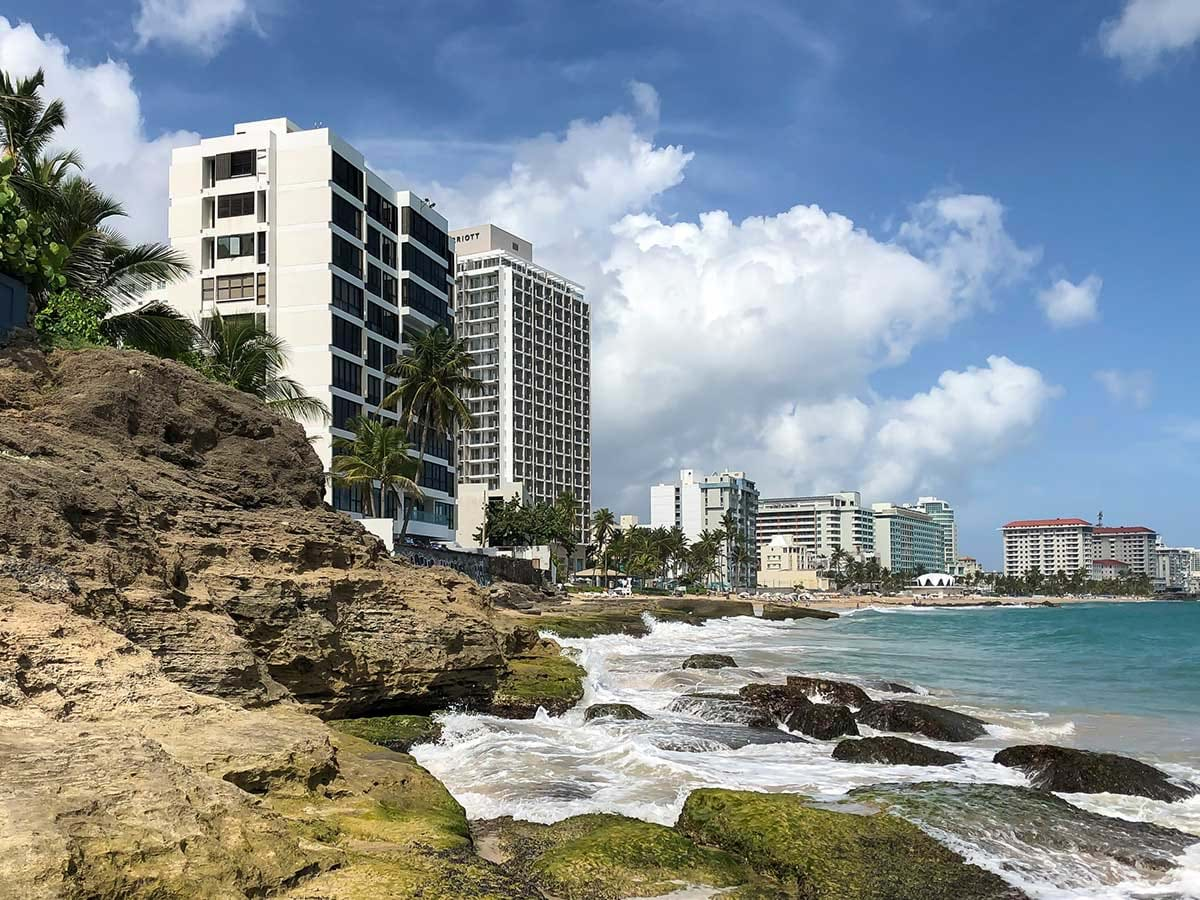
(230, 205)
(388, 357)
(346, 256)
(230, 246)
(375, 280)
(374, 390)
(374, 359)
(347, 297)
(383, 322)
(424, 265)
(348, 177)
(347, 375)
(344, 410)
(373, 236)
(417, 226)
(425, 301)
(436, 477)
(347, 336)
(347, 216)
(389, 288)
(262, 248)
(436, 444)
(347, 499)
(382, 211)
(242, 163)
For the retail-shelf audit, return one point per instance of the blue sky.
(1077, 119)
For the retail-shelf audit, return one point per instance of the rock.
(823, 721)
(189, 518)
(1069, 771)
(920, 718)
(709, 661)
(718, 707)
(1022, 826)
(701, 738)
(400, 733)
(538, 678)
(606, 857)
(893, 687)
(619, 711)
(774, 702)
(893, 751)
(827, 690)
(781, 612)
(819, 853)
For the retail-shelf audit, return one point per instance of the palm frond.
(153, 328)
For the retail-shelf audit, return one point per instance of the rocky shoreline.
(210, 682)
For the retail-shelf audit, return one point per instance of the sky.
(905, 247)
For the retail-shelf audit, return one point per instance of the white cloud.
(645, 97)
(197, 26)
(706, 328)
(1067, 304)
(1135, 388)
(104, 122)
(1149, 31)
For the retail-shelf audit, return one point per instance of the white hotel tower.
(529, 331)
(289, 225)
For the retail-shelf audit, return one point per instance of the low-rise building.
(1106, 569)
(907, 539)
(628, 523)
(788, 563)
(966, 567)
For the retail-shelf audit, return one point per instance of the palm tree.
(27, 123)
(377, 454)
(434, 379)
(603, 526)
(239, 352)
(742, 558)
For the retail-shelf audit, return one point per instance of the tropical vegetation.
(377, 455)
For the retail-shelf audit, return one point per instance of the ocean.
(1121, 677)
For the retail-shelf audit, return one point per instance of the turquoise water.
(1127, 674)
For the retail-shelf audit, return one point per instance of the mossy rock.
(593, 623)
(607, 857)
(818, 854)
(400, 733)
(620, 711)
(539, 677)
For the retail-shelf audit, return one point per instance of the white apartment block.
(696, 504)
(908, 539)
(943, 513)
(1047, 545)
(822, 522)
(1177, 569)
(529, 332)
(288, 225)
(1131, 544)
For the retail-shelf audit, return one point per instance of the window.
(389, 288)
(436, 477)
(374, 359)
(344, 410)
(346, 256)
(347, 336)
(347, 216)
(425, 266)
(387, 250)
(346, 499)
(262, 288)
(262, 248)
(383, 322)
(236, 287)
(417, 226)
(426, 301)
(242, 163)
(207, 290)
(347, 297)
(389, 357)
(348, 177)
(375, 280)
(374, 390)
(373, 237)
(347, 375)
(231, 246)
(381, 210)
(230, 205)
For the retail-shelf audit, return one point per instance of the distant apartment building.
(697, 504)
(1177, 569)
(823, 523)
(786, 563)
(289, 228)
(943, 513)
(908, 539)
(1105, 569)
(1047, 545)
(628, 523)
(1131, 544)
(529, 333)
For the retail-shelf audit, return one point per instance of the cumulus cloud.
(1147, 32)
(1066, 304)
(1132, 388)
(197, 26)
(104, 122)
(752, 342)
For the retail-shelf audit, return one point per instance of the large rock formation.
(921, 718)
(1069, 771)
(188, 518)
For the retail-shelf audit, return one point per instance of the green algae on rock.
(607, 857)
(400, 733)
(540, 676)
(818, 854)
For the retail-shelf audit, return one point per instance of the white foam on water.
(546, 769)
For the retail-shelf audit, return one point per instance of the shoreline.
(841, 603)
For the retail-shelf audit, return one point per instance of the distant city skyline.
(945, 248)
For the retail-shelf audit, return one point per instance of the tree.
(729, 528)
(434, 378)
(377, 454)
(603, 528)
(27, 122)
(743, 556)
(239, 352)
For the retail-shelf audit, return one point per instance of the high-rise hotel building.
(529, 331)
(289, 226)
(821, 523)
